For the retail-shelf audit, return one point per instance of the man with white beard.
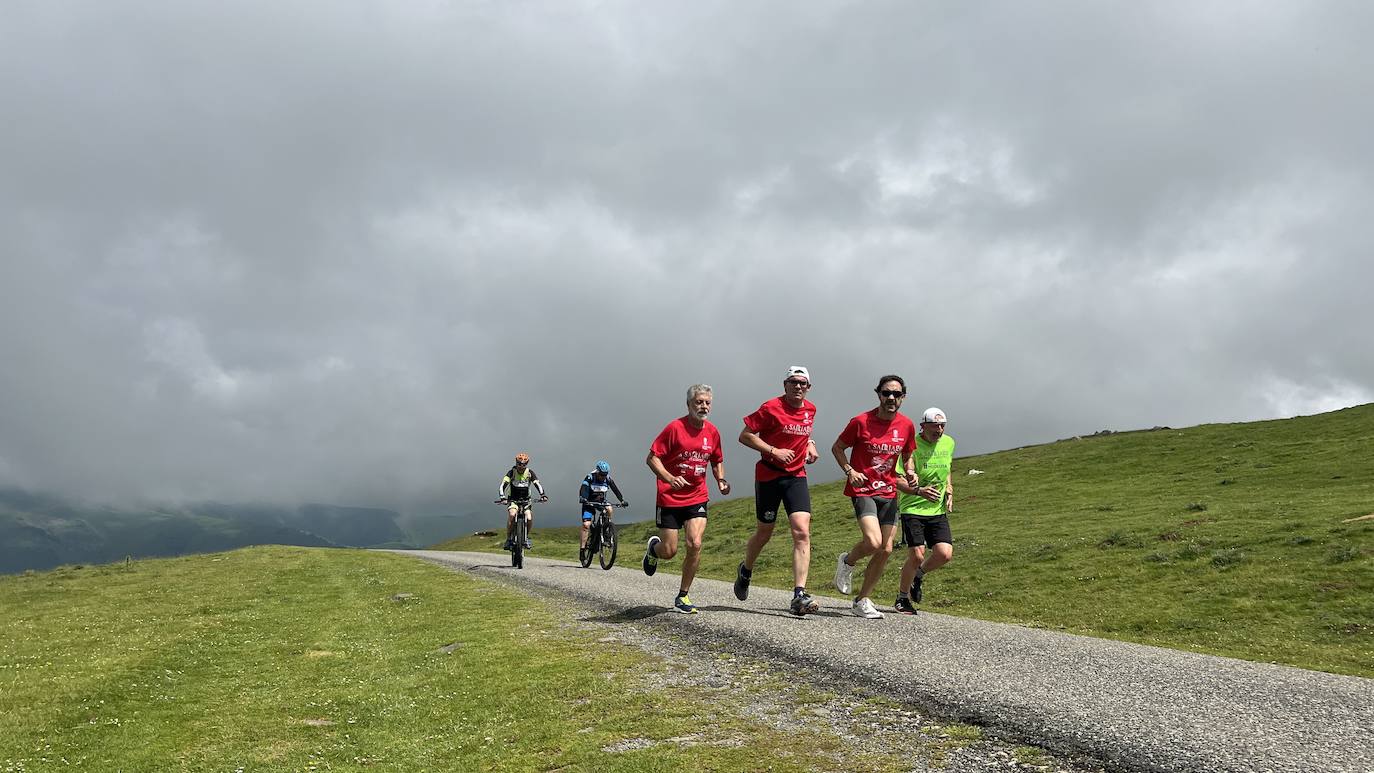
(679, 457)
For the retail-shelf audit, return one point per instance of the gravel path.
(1128, 706)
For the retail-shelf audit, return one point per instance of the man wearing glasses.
(780, 430)
(925, 507)
(877, 438)
(679, 457)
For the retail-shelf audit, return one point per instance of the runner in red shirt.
(877, 438)
(679, 457)
(780, 430)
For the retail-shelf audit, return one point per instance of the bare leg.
(874, 572)
(762, 533)
(914, 556)
(667, 544)
(870, 539)
(692, 533)
(801, 547)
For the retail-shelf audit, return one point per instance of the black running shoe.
(916, 590)
(741, 583)
(904, 606)
(803, 604)
(650, 562)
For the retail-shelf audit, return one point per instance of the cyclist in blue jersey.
(594, 488)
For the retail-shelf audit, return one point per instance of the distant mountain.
(40, 531)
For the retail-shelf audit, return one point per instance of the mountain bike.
(601, 539)
(516, 534)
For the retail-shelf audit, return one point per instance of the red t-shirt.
(874, 445)
(782, 426)
(688, 452)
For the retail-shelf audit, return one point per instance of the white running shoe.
(865, 609)
(844, 573)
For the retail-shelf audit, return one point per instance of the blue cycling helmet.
(603, 467)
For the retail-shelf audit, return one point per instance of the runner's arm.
(903, 484)
(661, 472)
(751, 439)
(837, 450)
(718, 470)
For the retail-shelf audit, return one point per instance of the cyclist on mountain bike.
(515, 490)
(594, 488)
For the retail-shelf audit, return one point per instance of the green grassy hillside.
(298, 659)
(1233, 539)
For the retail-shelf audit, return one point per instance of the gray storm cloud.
(364, 254)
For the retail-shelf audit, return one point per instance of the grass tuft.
(1225, 559)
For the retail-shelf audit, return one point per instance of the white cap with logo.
(933, 415)
(797, 371)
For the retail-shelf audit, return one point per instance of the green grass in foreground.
(298, 659)
(1230, 539)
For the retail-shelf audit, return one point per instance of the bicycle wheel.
(608, 545)
(517, 551)
(584, 556)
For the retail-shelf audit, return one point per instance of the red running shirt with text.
(874, 445)
(782, 426)
(688, 452)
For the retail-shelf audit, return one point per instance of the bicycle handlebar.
(604, 505)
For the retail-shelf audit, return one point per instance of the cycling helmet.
(603, 467)
(522, 458)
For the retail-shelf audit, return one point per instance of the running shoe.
(741, 583)
(916, 589)
(865, 609)
(651, 560)
(684, 605)
(844, 573)
(903, 606)
(804, 605)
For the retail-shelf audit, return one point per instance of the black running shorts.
(790, 492)
(676, 517)
(884, 508)
(926, 530)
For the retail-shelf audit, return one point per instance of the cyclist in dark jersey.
(515, 490)
(594, 488)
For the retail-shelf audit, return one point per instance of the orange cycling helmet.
(522, 458)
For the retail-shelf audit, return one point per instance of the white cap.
(797, 371)
(933, 415)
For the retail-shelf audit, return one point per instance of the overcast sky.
(364, 252)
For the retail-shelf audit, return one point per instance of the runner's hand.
(929, 493)
(811, 455)
(677, 483)
(784, 455)
(724, 486)
(855, 477)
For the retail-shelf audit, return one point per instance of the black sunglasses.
(891, 393)
(796, 383)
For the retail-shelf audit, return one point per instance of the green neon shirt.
(931, 464)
